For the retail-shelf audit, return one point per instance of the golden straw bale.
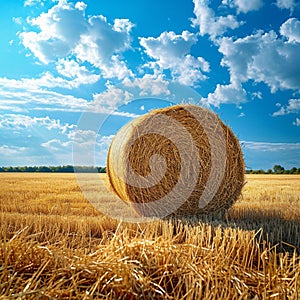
(181, 159)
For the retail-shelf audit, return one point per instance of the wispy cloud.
(19, 121)
(11, 150)
(33, 2)
(77, 75)
(266, 146)
(28, 94)
(265, 154)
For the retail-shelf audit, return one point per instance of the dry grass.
(54, 244)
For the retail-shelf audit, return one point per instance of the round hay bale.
(180, 160)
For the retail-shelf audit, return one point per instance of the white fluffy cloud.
(263, 57)
(209, 23)
(225, 94)
(286, 4)
(80, 5)
(65, 30)
(293, 107)
(102, 44)
(59, 32)
(76, 74)
(244, 6)
(149, 85)
(291, 30)
(110, 99)
(171, 51)
(169, 43)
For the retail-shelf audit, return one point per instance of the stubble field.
(55, 244)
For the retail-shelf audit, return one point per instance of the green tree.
(293, 170)
(278, 169)
(43, 169)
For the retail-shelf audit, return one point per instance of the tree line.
(277, 169)
(55, 169)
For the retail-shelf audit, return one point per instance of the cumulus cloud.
(80, 5)
(171, 51)
(65, 30)
(149, 85)
(60, 31)
(110, 99)
(263, 57)
(293, 107)
(209, 23)
(291, 30)
(103, 43)
(286, 4)
(78, 74)
(225, 94)
(244, 6)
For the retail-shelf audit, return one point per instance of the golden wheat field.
(55, 245)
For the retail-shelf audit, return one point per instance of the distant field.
(55, 244)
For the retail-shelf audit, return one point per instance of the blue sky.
(59, 59)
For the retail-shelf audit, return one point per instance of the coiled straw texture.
(180, 160)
